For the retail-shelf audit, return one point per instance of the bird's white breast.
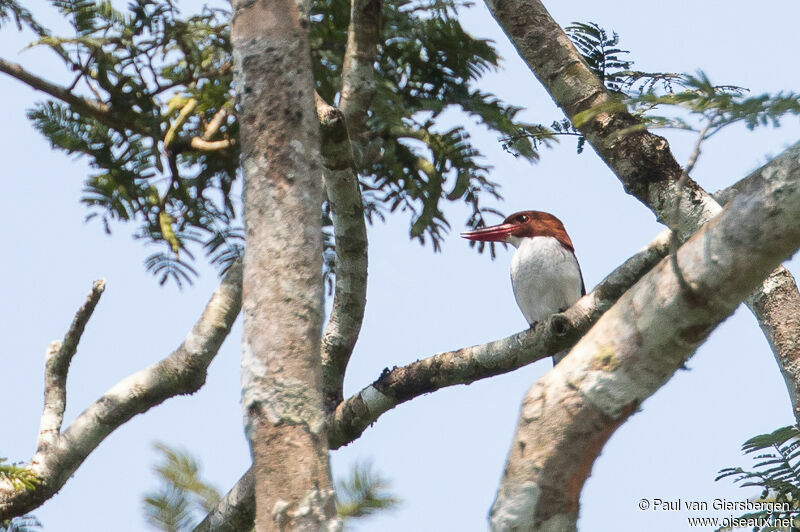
(545, 276)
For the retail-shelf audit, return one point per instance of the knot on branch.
(559, 324)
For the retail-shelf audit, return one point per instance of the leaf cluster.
(19, 477)
(426, 64)
(164, 81)
(689, 101)
(183, 497)
(161, 81)
(25, 523)
(776, 472)
(363, 493)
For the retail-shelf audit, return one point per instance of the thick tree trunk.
(282, 287)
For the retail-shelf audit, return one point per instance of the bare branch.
(674, 241)
(776, 305)
(236, 511)
(470, 364)
(350, 297)
(642, 161)
(182, 372)
(459, 367)
(343, 133)
(59, 357)
(358, 70)
(570, 413)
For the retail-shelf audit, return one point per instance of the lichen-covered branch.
(358, 69)
(350, 296)
(236, 511)
(282, 304)
(567, 416)
(470, 364)
(776, 304)
(182, 372)
(343, 138)
(59, 356)
(643, 162)
(460, 367)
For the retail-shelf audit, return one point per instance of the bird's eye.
(522, 218)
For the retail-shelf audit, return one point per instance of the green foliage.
(692, 102)
(145, 66)
(183, 498)
(364, 493)
(12, 10)
(26, 523)
(662, 99)
(163, 79)
(20, 477)
(776, 472)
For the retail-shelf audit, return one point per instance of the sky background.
(444, 453)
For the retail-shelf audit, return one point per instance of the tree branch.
(358, 68)
(642, 162)
(236, 511)
(350, 296)
(570, 413)
(182, 372)
(776, 305)
(59, 357)
(463, 366)
(470, 364)
(104, 114)
(92, 108)
(343, 137)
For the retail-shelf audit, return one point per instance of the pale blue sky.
(444, 452)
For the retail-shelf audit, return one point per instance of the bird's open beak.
(495, 233)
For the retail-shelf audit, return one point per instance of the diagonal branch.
(642, 162)
(105, 114)
(776, 305)
(59, 357)
(236, 511)
(470, 364)
(463, 366)
(569, 415)
(92, 108)
(182, 372)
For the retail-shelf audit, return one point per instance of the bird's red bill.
(495, 233)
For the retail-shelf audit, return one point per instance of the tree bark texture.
(567, 417)
(282, 285)
(642, 161)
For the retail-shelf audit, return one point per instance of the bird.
(545, 274)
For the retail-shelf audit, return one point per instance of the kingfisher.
(545, 273)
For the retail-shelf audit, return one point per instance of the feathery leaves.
(776, 472)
